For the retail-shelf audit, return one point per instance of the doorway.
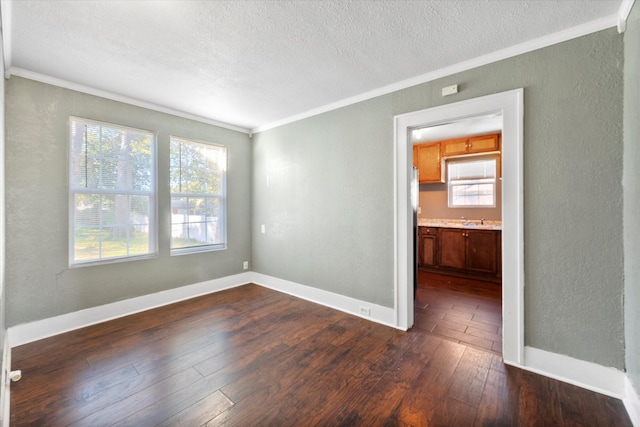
(510, 106)
(458, 292)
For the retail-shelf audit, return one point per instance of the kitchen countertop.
(460, 223)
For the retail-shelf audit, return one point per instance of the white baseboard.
(591, 376)
(632, 403)
(40, 329)
(588, 375)
(33, 331)
(378, 313)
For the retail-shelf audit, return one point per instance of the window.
(197, 174)
(471, 183)
(111, 192)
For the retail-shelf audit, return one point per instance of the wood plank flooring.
(464, 310)
(252, 356)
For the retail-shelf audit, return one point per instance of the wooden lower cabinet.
(453, 248)
(482, 251)
(427, 247)
(463, 252)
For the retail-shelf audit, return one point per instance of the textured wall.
(328, 209)
(39, 282)
(631, 184)
(3, 264)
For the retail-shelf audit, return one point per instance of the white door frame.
(510, 105)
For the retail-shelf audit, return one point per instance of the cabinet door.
(454, 147)
(426, 157)
(482, 251)
(452, 248)
(480, 144)
(427, 249)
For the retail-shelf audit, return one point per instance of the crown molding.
(5, 17)
(43, 78)
(618, 20)
(623, 14)
(539, 43)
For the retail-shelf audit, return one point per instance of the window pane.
(472, 169)
(88, 243)
(197, 175)
(112, 183)
(471, 183)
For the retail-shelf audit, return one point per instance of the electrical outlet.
(245, 265)
(263, 229)
(365, 311)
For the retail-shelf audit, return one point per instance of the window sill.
(112, 260)
(198, 249)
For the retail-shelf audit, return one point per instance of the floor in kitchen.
(464, 310)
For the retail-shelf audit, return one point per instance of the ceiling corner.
(623, 14)
(5, 19)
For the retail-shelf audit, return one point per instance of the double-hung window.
(112, 191)
(471, 183)
(197, 174)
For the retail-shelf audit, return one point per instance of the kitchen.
(459, 231)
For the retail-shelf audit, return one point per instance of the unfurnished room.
(330, 213)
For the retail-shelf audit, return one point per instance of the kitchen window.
(471, 183)
(112, 192)
(197, 174)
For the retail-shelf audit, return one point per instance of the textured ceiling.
(251, 63)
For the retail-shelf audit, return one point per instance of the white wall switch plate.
(449, 90)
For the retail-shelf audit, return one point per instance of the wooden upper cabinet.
(455, 147)
(480, 144)
(427, 158)
(474, 144)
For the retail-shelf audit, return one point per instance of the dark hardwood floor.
(252, 356)
(464, 310)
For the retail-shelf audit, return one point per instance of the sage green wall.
(3, 328)
(631, 184)
(39, 282)
(328, 208)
